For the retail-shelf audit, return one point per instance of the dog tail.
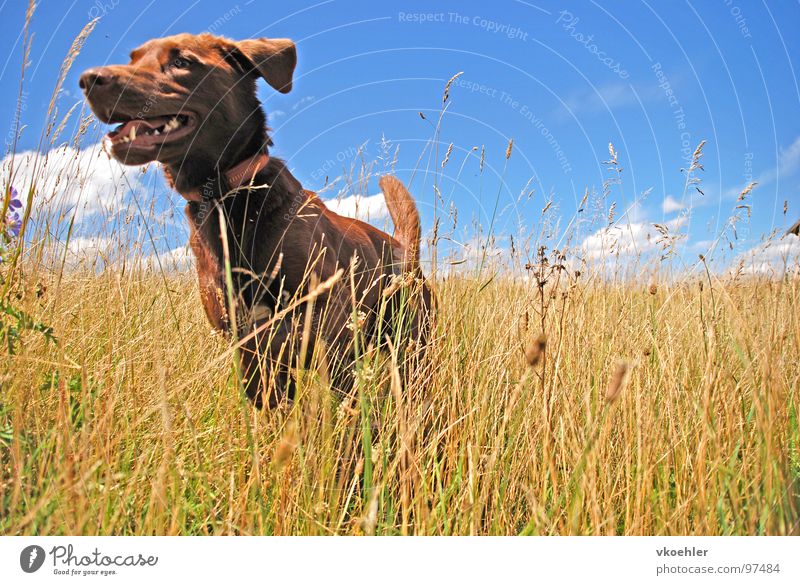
(405, 217)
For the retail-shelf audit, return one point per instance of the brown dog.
(189, 102)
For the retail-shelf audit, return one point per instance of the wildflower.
(13, 225)
(15, 202)
(13, 220)
(357, 321)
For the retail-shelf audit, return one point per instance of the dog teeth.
(173, 124)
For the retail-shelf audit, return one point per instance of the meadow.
(617, 409)
(559, 396)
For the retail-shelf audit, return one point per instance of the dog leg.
(266, 360)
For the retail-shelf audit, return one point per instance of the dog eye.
(181, 63)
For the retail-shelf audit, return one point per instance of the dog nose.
(96, 77)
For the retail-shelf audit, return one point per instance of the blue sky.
(653, 78)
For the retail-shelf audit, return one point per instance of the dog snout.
(96, 78)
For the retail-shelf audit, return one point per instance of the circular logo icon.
(31, 558)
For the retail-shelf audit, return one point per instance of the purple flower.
(15, 202)
(14, 224)
(13, 221)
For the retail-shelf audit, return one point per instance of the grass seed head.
(446, 94)
(287, 445)
(535, 350)
(618, 381)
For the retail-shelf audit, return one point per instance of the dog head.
(188, 99)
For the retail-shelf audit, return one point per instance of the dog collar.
(235, 176)
(246, 170)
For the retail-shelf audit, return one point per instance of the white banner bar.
(346, 560)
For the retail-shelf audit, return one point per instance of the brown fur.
(277, 232)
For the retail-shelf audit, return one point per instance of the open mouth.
(151, 132)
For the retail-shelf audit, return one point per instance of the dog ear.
(272, 59)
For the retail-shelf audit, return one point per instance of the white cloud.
(178, 259)
(109, 252)
(88, 247)
(670, 204)
(789, 160)
(478, 248)
(606, 97)
(87, 181)
(459, 257)
(94, 251)
(302, 101)
(773, 258)
(628, 239)
(788, 164)
(366, 208)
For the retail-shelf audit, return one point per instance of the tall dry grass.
(134, 425)
(554, 399)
